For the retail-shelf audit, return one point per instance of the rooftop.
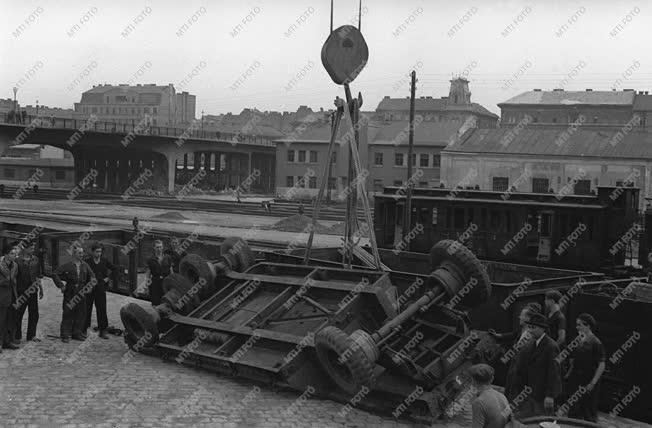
(561, 97)
(603, 143)
(431, 104)
(425, 133)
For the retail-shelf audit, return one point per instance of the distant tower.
(459, 92)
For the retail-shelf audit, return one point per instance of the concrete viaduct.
(121, 153)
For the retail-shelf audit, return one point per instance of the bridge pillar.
(171, 171)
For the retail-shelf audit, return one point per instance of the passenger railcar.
(585, 232)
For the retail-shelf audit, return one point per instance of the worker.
(518, 338)
(538, 369)
(8, 296)
(490, 408)
(158, 267)
(556, 319)
(30, 290)
(102, 268)
(175, 253)
(79, 281)
(586, 368)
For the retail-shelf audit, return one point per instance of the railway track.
(278, 209)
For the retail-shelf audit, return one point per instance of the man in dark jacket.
(175, 253)
(30, 290)
(101, 267)
(8, 296)
(79, 281)
(539, 370)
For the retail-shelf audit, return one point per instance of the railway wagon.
(583, 232)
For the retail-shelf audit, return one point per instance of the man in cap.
(490, 407)
(556, 319)
(8, 296)
(538, 369)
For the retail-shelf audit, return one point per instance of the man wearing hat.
(539, 369)
(556, 319)
(490, 407)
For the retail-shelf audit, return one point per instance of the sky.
(238, 54)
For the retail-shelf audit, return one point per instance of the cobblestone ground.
(99, 383)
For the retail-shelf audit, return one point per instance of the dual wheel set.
(350, 360)
(197, 280)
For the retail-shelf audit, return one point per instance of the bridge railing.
(136, 128)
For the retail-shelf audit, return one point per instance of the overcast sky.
(53, 53)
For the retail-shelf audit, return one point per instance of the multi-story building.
(388, 153)
(560, 107)
(302, 157)
(456, 107)
(160, 105)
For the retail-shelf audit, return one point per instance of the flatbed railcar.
(596, 232)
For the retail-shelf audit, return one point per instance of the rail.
(135, 128)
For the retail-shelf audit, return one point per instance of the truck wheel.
(141, 325)
(239, 248)
(196, 268)
(468, 264)
(343, 359)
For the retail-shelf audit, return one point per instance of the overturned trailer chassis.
(341, 334)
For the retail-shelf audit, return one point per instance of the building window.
(59, 174)
(312, 182)
(107, 100)
(289, 181)
(155, 110)
(93, 109)
(540, 185)
(290, 155)
(302, 155)
(414, 159)
(10, 173)
(378, 185)
(398, 159)
(145, 109)
(345, 181)
(583, 187)
(554, 120)
(500, 184)
(113, 110)
(332, 183)
(436, 161)
(313, 156)
(378, 159)
(398, 183)
(334, 158)
(423, 184)
(423, 160)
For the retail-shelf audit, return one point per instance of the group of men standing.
(537, 369)
(83, 282)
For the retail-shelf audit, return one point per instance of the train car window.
(423, 216)
(494, 220)
(459, 218)
(434, 216)
(448, 218)
(563, 225)
(508, 221)
(589, 227)
(471, 215)
(483, 218)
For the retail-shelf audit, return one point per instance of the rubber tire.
(242, 252)
(199, 265)
(138, 321)
(177, 281)
(469, 264)
(361, 369)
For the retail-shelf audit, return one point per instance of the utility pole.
(408, 194)
(330, 163)
(202, 123)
